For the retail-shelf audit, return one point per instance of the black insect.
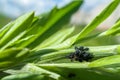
(81, 54)
(71, 75)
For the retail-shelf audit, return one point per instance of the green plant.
(34, 48)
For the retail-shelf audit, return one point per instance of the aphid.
(81, 54)
(71, 75)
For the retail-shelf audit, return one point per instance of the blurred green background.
(4, 19)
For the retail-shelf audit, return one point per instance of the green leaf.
(53, 56)
(27, 76)
(105, 61)
(76, 71)
(56, 38)
(32, 68)
(114, 30)
(65, 44)
(13, 41)
(99, 19)
(55, 20)
(12, 56)
(4, 29)
(22, 40)
(46, 56)
(20, 25)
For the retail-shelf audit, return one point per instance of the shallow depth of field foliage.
(34, 47)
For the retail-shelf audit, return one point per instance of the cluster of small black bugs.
(81, 54)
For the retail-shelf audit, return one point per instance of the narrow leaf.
(54, 22)
(99, 19)
(21, 24)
